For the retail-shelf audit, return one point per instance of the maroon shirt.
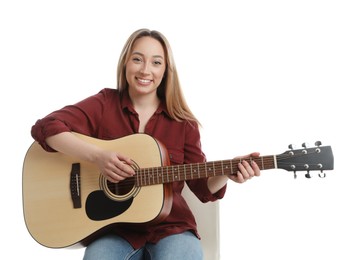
(108, 115)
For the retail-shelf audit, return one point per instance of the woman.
(148, 99)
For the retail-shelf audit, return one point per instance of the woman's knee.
(185, 246)
(107, 248)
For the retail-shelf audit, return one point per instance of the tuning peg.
(295, 176)
(304, 145)
(318, 143)
(322, 174)
(291, 146)
(308, 175)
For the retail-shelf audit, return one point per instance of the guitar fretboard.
(167, 174)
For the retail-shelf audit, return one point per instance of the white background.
(258, 74)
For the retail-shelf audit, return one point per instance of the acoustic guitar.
(67, 202)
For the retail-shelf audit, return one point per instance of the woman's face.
(146, 66)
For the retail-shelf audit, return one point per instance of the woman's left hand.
(246, 170)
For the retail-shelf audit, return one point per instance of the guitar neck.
(167, 174)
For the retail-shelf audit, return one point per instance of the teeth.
(144, 80)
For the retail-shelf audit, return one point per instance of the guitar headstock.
(318, 158)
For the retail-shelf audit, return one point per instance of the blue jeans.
(185, 246)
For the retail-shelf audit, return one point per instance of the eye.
(158, 62)
(137, 59)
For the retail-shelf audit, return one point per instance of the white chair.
(207, 218)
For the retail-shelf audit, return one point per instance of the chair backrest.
(207, 218)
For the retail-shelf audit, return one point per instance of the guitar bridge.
(75, 185)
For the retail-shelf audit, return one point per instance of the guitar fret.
(225, 168)
(142, 177)
(176, 175)
(157, 175)
(151, 177)
(228, 168)
(172, 174)
(163, 174)
(136, 177)
(210, 169)
(147, 177)
(168, 174)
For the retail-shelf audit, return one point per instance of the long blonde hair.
(170, 89)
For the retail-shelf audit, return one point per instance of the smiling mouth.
(144, 81)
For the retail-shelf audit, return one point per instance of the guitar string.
(167, 174)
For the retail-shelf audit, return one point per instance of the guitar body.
(54, 219)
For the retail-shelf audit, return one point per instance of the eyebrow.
(139, 53)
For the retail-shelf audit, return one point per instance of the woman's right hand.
(114, 166)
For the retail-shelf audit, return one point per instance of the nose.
(144, 68)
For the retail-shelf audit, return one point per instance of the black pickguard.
(100, 207)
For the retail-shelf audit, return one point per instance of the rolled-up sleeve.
(82, 117)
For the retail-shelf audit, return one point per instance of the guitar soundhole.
(121, 191)
(121, 188)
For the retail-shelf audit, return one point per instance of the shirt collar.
(126, 104)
